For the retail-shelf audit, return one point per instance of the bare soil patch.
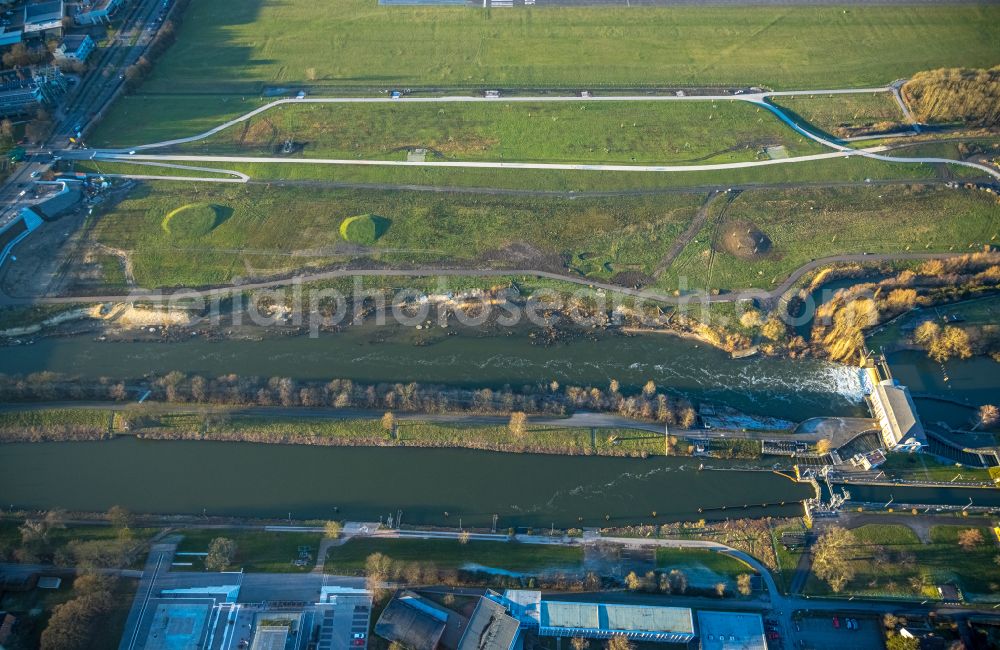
(743, 239)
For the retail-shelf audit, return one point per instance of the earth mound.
(191, 221)
(364, 229)
(744, 239)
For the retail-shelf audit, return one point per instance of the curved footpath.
(758, 99)
(693, 298)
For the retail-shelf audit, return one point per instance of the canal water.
(366, 483)
(791, 389)
(959, 387)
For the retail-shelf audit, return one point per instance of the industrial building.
(892, 406)
(731, 631)
(43, 19)
(25, 90)
(413, 621)
(603, 621)
(490, 628)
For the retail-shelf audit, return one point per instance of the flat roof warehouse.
(600, 620)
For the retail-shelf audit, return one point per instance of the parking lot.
(824, 635)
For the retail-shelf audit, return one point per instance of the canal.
(366, 483)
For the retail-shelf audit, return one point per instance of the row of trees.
(177, 387)
(165, 37)
(42, 539)
(675, 582)
(381, 569)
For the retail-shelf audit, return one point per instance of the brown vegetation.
(839, 324)
(831, 560)
(967, 95)
(73, 623)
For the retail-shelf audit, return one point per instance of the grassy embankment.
(890, 560)
(808, 224)
(568, 132)
(835, 170)
(64, 424)
(320, 431)
(921, 467)
(627, 233)
(256, 551)
(703, 568)
(236, 50)
(597, 237)
(55, 424)
(844, 116)
(349, 558)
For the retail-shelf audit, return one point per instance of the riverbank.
(583, 434)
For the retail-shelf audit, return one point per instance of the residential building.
(92, 12)
(75, 47)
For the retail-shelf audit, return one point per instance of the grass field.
(787, 559)
(641, 132)
(261, 234)
(559, 440)
(845, 115)
(834, 170)
(350, 557)
(595, 237)
(922, 467)
(238, 49)
(701, 566)
(256, 551)
(43, 423)
(809, 224)
(890, 559)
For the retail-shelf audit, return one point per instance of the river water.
(792, 389)
(524, 490)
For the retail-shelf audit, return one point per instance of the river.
(791, 389)
(366, 483)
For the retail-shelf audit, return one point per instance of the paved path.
(692, 298)
(578, 420)
(760, 99)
